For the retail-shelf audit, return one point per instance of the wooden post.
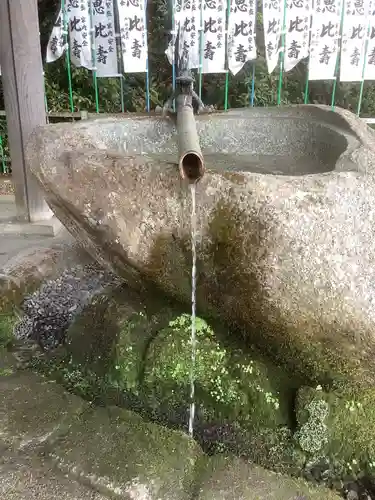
(23, 84)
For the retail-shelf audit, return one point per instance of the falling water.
(193, 308)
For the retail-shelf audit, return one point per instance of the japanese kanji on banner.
(79, 33)
(79, 22)
(298, 17)
(241, 34)
(273, 13)
(324, 41)
(133, 33)
(188, 32)
(369, 72)
(214, 18)
(105, 41)
(56, 45)
(353, 40)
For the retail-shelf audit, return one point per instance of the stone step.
(32, 478)
(54, 445)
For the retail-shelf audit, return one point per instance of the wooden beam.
(23, 85)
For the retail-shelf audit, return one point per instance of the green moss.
(5, 372)
(229, 384)
(7, 322)
(130, 349)
(339, 426)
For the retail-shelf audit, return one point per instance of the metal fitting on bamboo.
(191, 164)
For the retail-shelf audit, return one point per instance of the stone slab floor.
(53, 445)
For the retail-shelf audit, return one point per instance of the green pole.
(122, 94)
(306, 96)
(93, 57)
(338, 57)
(282, 52)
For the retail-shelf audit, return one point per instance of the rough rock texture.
(233, 479)
(285, 225)
(24, 272)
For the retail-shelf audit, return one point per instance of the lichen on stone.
(313, 435)
(340, 427)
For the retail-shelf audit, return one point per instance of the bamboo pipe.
(190, 164)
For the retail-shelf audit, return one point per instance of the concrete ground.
(15, 236)
(9, 223)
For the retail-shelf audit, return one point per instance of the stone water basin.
(280, 141)
(285, 218)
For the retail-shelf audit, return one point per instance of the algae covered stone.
(118, 452)
(230, 386)
(228, 478)
(111, 335)
(338, 426)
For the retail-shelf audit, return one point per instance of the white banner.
(170, 51)
(297, 22)
(79, 33)
(241, 34)
(353, 40)
(56, 46)
(188, 31)
(369, 73)
(273, 13)
(324, 42)
(105, 41)
(214, 17)
(133, 32)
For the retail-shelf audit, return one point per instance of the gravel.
(50, 310)
(6, 185)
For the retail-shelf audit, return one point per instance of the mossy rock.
(111, 335)
(339, 426)
(230, 386)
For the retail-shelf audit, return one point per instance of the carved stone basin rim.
(292, 140)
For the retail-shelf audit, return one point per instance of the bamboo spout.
(190, 163)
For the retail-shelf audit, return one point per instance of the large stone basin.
(285, 217)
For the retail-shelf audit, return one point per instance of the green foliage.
(228, 383)
(6, 330)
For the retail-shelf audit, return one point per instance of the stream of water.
(193, 307)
